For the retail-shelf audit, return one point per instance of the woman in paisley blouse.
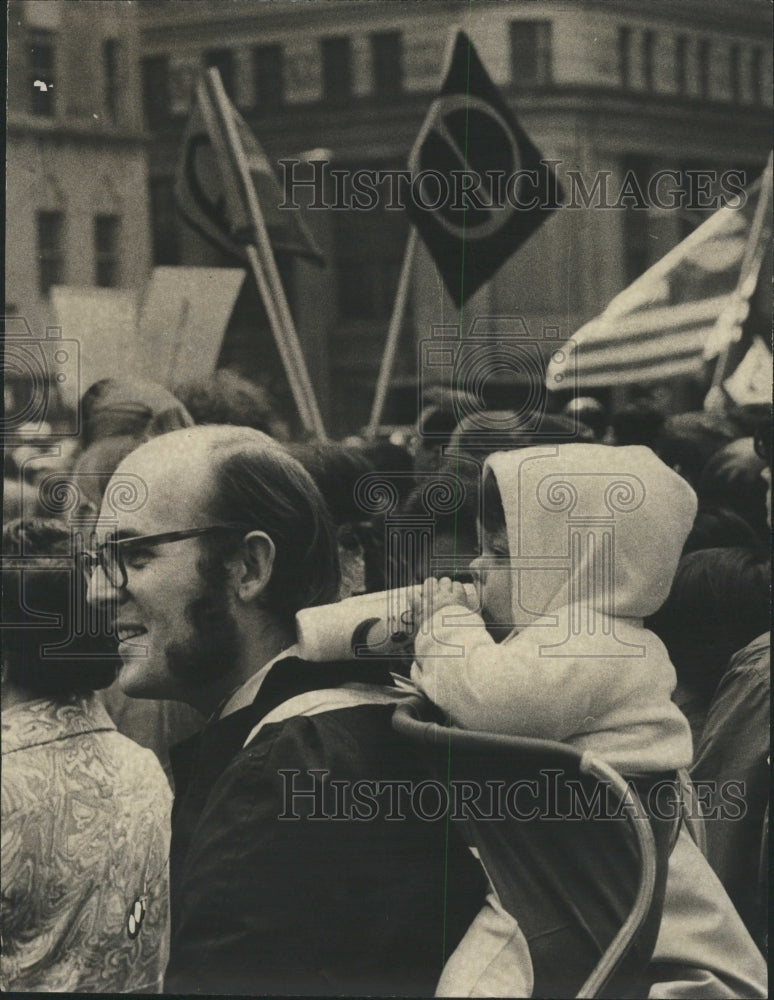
(85, 811)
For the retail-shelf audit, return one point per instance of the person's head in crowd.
(590, 412)
(722, 528)
(718, 603)
(129, 407)
(48, 649)
(732, 480)
(433, 430)
(93, 468)
(480, 434)
(638, 422)
(225, 397)
(336, 470)
(209, 573)
(688, 441)
(395, 461)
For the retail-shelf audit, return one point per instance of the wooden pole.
(393, 336)
(288, 362)
(261, 258)
(754, 252)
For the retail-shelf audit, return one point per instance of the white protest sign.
(183, 321)
(104, 323)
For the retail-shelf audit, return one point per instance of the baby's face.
(492, 577)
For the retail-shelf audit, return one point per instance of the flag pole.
(393, 336)
(264, 267)
(288, 362)
(751, 262)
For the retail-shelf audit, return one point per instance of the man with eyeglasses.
(277, 887)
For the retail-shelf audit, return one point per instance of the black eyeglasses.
(109, 555)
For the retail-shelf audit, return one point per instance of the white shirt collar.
(246, 694)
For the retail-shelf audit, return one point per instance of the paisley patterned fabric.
(85, 843)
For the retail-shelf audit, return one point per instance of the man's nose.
(100, 589)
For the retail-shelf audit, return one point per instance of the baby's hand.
(436, 594)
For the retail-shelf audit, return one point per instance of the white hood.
(591, 526)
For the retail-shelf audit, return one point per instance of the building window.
(636, 224)
(681, 64)
(223, 61)
(387, 59)
(42, 70)
(164, 222)
(734, 76)
(50, 250)
(648, 50)
(530, 52)
(110, 67)
(368, 248)
(756, 76)
(182, 86)
(336, 68)
(704, 69)
(107, 230)
(625, 57)
(155, 90)
(268, 77)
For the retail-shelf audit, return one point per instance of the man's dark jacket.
(332, 905)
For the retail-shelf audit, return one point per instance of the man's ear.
(255, 566)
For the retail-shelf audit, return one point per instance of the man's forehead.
(158, 488)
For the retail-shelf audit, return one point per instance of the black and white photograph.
(387, 458)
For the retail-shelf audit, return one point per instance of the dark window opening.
(336, 68)
(681, 64)
(637, 244)
(155, 90)
(369, 249)
(648, 50)
(42, 74)
(625, 57)
(530, 52)
(734, 76)
(756, 75)
(268, 78)
(50, 250)
(387, 57)
(107, 230)
(164, 222)
(110, 67)
(704, 69)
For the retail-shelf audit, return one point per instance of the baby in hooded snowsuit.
(584, 545)
(579, 543)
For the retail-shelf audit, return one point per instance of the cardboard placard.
(183, 320)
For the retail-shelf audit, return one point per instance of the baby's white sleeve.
(497, 687)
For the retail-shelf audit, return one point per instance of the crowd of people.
(192, 804)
